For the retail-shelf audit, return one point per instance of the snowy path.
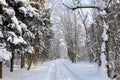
(60, 71)
(56, 70)
(64, 70)
(75, 76)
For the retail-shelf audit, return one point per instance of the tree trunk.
(12, 63)
(30, 63)
(35, 59)
(0, 70)
(22, 61)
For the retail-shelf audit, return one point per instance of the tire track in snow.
(60, 71)
(75, 76)
(51, 75)
(64, 73)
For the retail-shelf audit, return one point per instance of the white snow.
(13, 38)
(103, 12)
(30, 49)
(16, 22)
(3, 2)
(118, 1)
(103, 47)
(11, 25)
(30, 34)
(105, 25)
(1, 35)
(29, 10)
(56, 70)
(103, 68)
(24, 1)
(23, 26)
(104, 35)
(9, 11)
(23, 10)
(4, 54)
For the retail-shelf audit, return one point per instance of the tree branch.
(84, 6)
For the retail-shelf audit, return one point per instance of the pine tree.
(24, 28)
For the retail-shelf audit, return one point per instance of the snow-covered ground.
(56, 70)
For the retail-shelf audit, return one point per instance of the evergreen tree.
(24, 28)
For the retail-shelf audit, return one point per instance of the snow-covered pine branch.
(3, 3)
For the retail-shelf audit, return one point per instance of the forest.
(59, 39)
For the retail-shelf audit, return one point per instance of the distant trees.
(73, 33)
(68, 25)
(72, 29)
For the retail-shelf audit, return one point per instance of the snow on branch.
(3, 3)
(81, 6)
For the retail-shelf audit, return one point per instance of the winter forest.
(59, 39)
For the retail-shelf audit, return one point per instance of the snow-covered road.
(56, 70)
(59, 70)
